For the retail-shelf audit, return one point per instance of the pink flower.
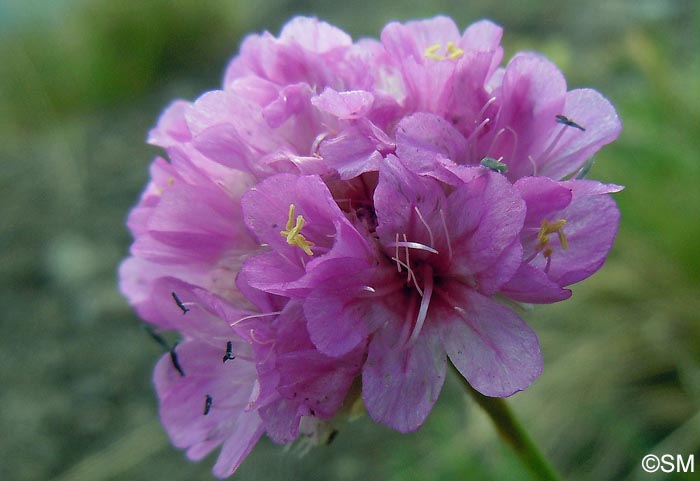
(344, 214)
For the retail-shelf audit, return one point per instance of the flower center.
(452, 52)
(293, 233)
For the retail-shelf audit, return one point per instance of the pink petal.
(485, 217)
(314, 35)
(595, 113)
(530, 284)
(242, 438)
(352, 104)
(172, 127)
(591, 226)
(400, 384)
(422, 137)
(489, 344)
(542, 197)
(532, 94)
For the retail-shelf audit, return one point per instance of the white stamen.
(317, 142)
(424, 303)
(407, 322)
(515, 145)
(396, 243)
(430, 232)
(369, 289)
(408, 260)
(534, 165)
(253, 316)
(515, 141)
(413, 245)
(479, 126)
(483, 109)
(411, 274)
(252, 336)
(447, 236)
(478, 129)
(544, 157)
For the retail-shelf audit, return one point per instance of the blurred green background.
(81, 82)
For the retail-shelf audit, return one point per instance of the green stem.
(512, 432)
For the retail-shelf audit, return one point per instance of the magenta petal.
(271, 273)
(344, 105)
(591, 226)
(355, 149)
(312, 379)
(292, 102)
(266, 211)
(594, 112)
(530, 284)
(412, 38)
(238, 113)
(532, 94)
(182, 402)
(243, 437)
(172, 127)
(310, 383)
(490, 279)
(486, 216)
(196, 316)
(495, 350)
(314, 35)
(281, 419)
(400, 384)
(422, 137)
(336, 312)
(222, 144)
(542, 197)
(399, 196)
(307, 50)
(584, 187)
(482, 35)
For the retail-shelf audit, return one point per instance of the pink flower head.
(342, 218)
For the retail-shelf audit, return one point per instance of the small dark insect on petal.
(331, 437)
(175, 361)
(207, 404)
(179, 303)
(156, 337)
(228, 356)
(568, 122)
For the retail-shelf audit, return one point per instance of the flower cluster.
(342, 218)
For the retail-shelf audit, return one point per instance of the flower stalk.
(513, 433)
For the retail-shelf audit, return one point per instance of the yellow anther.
(431, 52)
(453, 51)
(293, 233)
(546, 229)
(159, 189)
